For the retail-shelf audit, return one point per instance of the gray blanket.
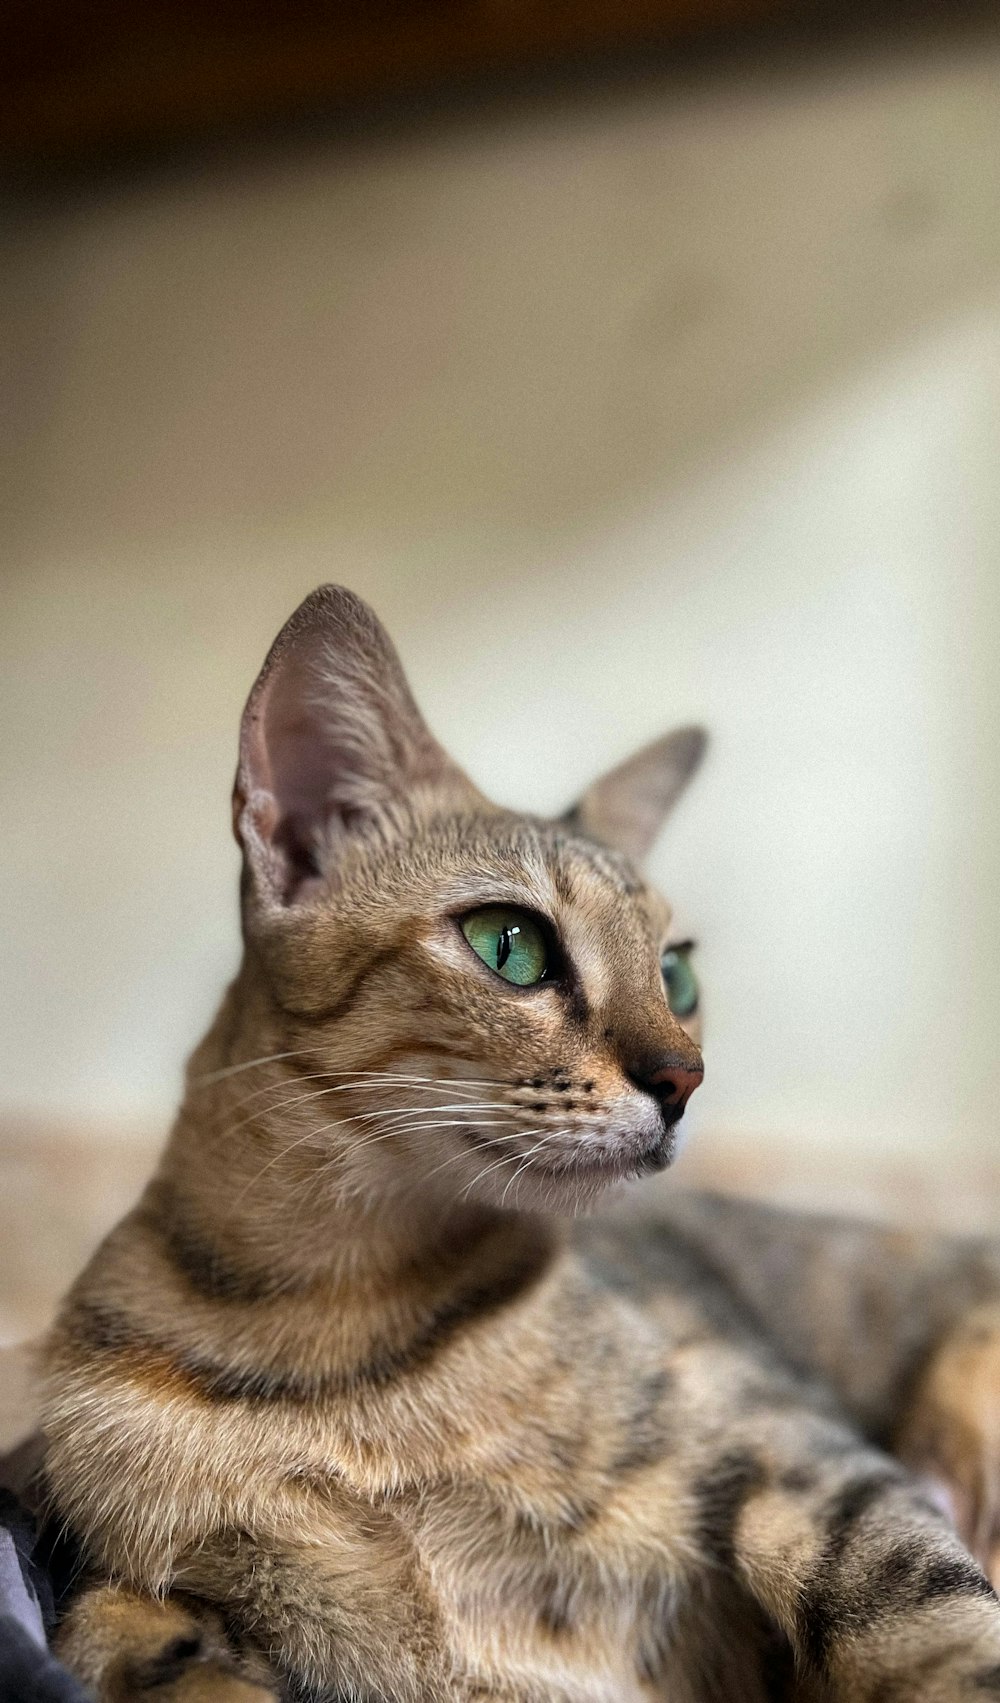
(31, 1562)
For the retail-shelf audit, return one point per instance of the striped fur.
(354, 1406)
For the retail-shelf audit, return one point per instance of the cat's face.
(484, 997)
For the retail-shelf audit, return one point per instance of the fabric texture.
(29, 1673)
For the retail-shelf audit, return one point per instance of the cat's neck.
(246, 1181)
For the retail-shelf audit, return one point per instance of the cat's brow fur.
(352, 1406)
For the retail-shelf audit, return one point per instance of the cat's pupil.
(504, 944)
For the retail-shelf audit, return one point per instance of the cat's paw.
(124, 1647)
(211, 1682)
(948, 1651)
(950, 1431)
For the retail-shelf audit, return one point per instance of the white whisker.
(248, 1064)
(511, 1158)
(215, 1076)
(403, 1127)
(514, 1135)
(526, 1162)
(369, 1081)
(311, 1096)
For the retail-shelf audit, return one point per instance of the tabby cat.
(356, 1405)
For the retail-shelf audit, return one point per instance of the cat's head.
(483, 997)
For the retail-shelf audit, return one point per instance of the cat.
(360, 1403)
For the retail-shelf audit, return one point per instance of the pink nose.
(673, 1083)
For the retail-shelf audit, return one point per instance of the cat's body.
(381, 1425)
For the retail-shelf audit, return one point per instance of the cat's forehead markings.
(583, 869)
(500, 876)
(576, 859)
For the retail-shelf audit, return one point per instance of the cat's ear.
(331, 743)
(627, 807)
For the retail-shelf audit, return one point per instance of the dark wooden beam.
(81, 79)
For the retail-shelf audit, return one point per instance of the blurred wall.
(674, 402)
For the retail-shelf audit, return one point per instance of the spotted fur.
(354, 1406)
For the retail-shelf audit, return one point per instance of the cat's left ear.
(627, 807)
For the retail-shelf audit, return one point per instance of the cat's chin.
(580, 1179)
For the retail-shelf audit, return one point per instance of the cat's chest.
(548, 1522)
(580, 1599)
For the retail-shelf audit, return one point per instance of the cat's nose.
(671, 1080)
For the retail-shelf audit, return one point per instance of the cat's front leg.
(333, 1588)
(904, 1325)
(846, 1553)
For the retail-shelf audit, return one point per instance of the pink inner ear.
(300, 766)
(332, 735)
(290, 751)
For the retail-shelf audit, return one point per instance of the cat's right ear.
(331, 744)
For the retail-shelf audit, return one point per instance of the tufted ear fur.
(627, 807)
(331, 744)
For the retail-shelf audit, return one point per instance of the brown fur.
(353, 1383)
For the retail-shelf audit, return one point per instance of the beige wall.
(676, 402)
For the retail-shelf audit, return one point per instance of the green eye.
(509, 941)
(681, 981)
